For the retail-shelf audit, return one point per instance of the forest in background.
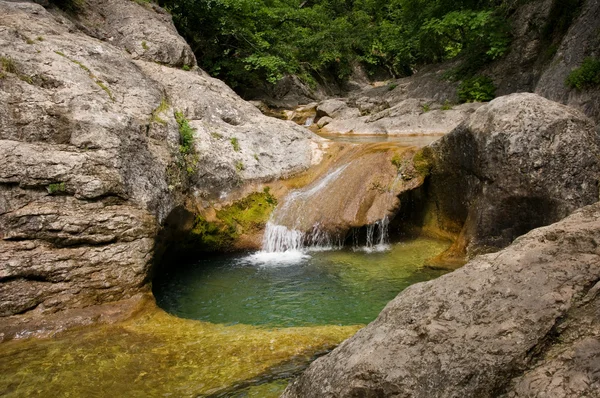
(248, 42)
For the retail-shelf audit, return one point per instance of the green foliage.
(447, 106)
(239, 166)
(56, 188)
(186, 133)
(248, 42)
(186, 68)
(145, 45)
(477, 89)
(586, 76)
(426, 108)
(236, 145)
(392, 86)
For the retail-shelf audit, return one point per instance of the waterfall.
(307, 218)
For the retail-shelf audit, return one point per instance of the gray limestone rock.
(502, 325)
(415, 116)
(519, 162)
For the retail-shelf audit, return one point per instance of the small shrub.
(186, 133)
(426, 108)
(145, 45)
(477, 89)
(236, 145)
(40, 38)
(8, 65)
(447, 106)
(239, 166)
(56, 188)
(186, 68)
(392, 86)
(586, 76)
(256, 157)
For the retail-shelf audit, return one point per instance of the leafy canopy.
(247, 42)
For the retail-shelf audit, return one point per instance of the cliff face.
(92, 160)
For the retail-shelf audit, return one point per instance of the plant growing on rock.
(586, 76)
(56, 188)
(236, 145)
(186, 133)
(8, 65)
(477, 89)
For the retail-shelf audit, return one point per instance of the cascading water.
(281, 238)
(295, 225)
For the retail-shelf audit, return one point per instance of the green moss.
(236, 145)
(423, 161)
(40, 38)
(249, 213)
(586, 76)
(145, 45)
(216, 135)
(244, 216)
(397, 161)
(155, 355)
(56, 188)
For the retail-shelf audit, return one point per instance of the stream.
(242, 324)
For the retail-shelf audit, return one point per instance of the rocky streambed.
(115, 149)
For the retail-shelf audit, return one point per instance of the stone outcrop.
(361, 187)
(519, 162)
(91, 157)
(505, 324)
(415, 116)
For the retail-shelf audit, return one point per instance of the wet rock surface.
(90, 156)
(503, 325)
(517, 163)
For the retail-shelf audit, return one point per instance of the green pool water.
(343, 287)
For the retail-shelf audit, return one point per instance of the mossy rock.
(242, 217)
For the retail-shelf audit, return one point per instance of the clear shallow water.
(319, 288)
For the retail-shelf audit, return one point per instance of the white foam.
(276, 259)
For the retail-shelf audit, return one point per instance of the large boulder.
(519, 323)
(517, 163)
(91, 154)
